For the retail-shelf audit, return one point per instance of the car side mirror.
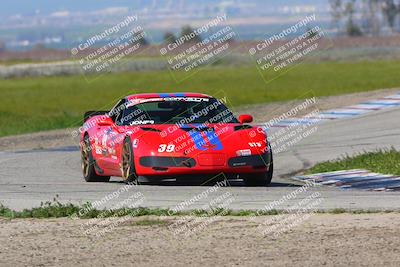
(245, 118)
(105, 122)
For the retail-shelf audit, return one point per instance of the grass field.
(385, 162)
(35, 104)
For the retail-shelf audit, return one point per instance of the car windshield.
(177, 110)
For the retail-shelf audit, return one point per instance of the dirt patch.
(261, 113)
(331, 240)
(40, 140)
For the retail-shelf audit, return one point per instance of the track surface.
(31, 177)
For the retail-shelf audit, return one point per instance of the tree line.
(366, 17)
(168, 38)
(187, 30)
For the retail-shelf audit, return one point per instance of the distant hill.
(26, 7)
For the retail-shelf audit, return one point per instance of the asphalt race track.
(28, 178)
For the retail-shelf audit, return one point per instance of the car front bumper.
(168, 166)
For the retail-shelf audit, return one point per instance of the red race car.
(147, 137)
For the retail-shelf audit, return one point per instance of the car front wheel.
(263, 179)
(127, 165)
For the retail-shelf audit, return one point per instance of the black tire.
(128, 169)
(263, 179)
(88, 163)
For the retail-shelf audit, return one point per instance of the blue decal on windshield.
(179, 95)
(172, 95)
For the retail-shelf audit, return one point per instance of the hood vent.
(149, 129)
(242, 127)
(197, 129)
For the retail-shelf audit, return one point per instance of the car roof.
(165, 95)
